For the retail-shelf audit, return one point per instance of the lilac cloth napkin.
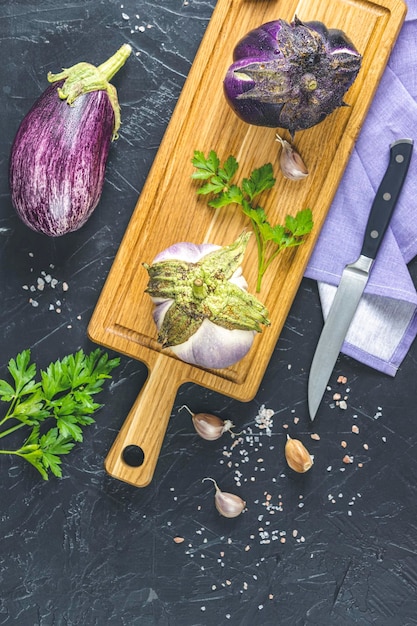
(385, 323)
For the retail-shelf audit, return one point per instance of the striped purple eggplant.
(59, 154)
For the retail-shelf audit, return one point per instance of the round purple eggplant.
(290, 75)
(59, 154)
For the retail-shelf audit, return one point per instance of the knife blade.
(355, 275)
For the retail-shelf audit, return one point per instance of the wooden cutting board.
(168, 210)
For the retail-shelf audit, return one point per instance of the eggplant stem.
(110, 67)
(84, 78)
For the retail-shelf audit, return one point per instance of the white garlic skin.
(290, 161)
(209, 427)
(227, 504)
(297, 456)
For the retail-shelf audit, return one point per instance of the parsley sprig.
(55, 408)
(216, 181)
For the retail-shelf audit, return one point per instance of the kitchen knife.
(355, 275)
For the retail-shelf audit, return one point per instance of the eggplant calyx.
(84, 78)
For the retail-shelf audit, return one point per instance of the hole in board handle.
(133, 455)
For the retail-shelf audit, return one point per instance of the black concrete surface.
(336, 546)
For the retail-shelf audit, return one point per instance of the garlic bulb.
(209, 427)
(291, 163)
(297, 456)
(227, 504)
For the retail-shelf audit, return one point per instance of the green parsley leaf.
(216, 185)
(229, 169)
(63, 396)
(219, 185)
(7, 392)
(205, 167)
(22, 372)
(231, 196)
(301, 224)
(260, 180)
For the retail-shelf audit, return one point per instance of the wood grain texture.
(169, 211)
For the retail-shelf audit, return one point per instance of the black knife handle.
(387, 196)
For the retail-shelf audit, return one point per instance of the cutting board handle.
(135, 451)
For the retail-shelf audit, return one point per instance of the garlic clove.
(209, 427)
(227, 504)
(291, 163)
(298, 457)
